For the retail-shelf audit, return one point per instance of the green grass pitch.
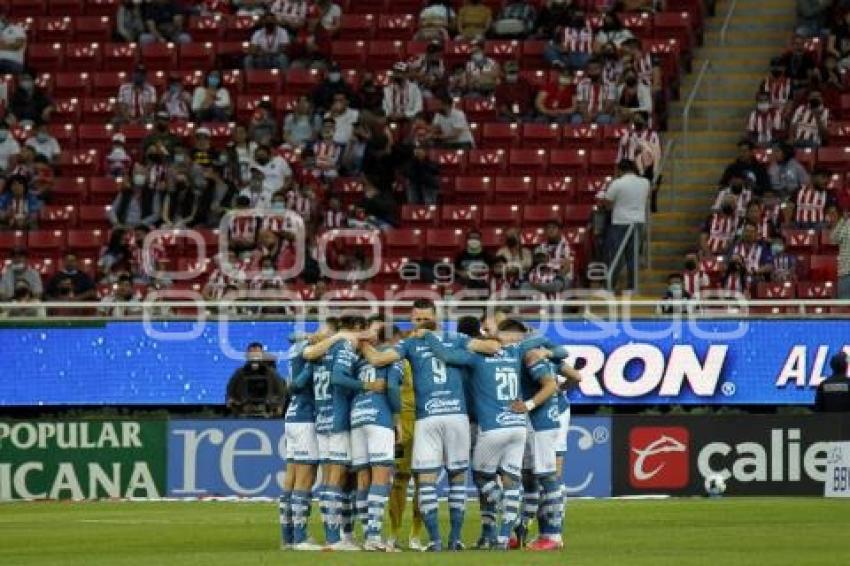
(680, 532)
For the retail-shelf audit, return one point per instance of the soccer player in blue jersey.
(333, 385)
(441, 435)
(374, 417)
(501, 419)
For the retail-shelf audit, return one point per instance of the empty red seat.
(459, 215)
(568, 162)
(501, 215)
(584, 136)
(404, 242)
(451, 161)
(74, 8)
(56, 216)
(540, 214)
(102, 190)
(97, 109)
(102, 7)
(503, 50)
(351, 53)
(500, 134)
(197, 56)
(206, 28)
(577, 214)
(83, 56)
(93, 28)
(588, 188)
(444, 242)
(486, 161)
(800, 241)
(159, 56)
(48, 57)
(50, 29)
(674, 25)
(816, 290)
(107, 83)
(65, 134)
(357, 26)
(395, 26)
(80, 162)
(41, 241)
(97, 136)
(10, 240)
(382, 54)
(302, 81)
(473, 189)
(834, 159)
(419, 215)
(71, 85)
(602, 161)
(119, 56)
(527, 161)
(555, 190)
(66, 110)
(541, 135)
(513, 189)
(480, 109)
(87, 240)
(247, 103)
(766, 290)
(239, 28)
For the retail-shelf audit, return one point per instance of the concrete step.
(702, 123)
(774, 37)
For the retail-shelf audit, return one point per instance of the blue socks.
(457, 507)
(300, 506)
(552, 509)
(331, 507)
(362, 496)
(285, 510)
(429, 508)
(510, 511)
(378, 495)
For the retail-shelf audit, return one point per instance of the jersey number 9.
(438, 368)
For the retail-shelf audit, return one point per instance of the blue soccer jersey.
(333, 383)
(438, 387)
(494, 382)
(544, 417)
(301, 408)
(373, 408)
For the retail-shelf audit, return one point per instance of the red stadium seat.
(420, 215)
(351, 53)
(555, 190)
(585, 136)
(83, 56)
(541, 135)
(451, 161)
(206, 28)
(95, 110)
(813, 290)
(460, 216)
(602, 161)
(66, 110)
(73, 8)
(107, 83)
(492, 238)
(102, 7)
(517, 189)
(395, 26)
(540, 214)
(102, 190)
(800, 241)
(93, 29)
(456, 52)
(357, 26)
(97, 136)
(501, 215)
(81, 162)
(531, 236)
(197, 56)
(823, 268)
(10, 240)
(48, 57)
(405, 242)
(825, 245)
(587, 188)
(382, 54)
(527, 161)
(87, 241)
(50, 29)
(532, 53)
(486, 161)
(72, 85)
(499, 134)
(263, 81)
(43, 242)
(473, 189)
(444, 242)
(479, 110)
(246, 104)
(569, 162)
(503, 51)
(240, 28)
(834, 159)
(577, 214)
(775, 290)
(302, 81)
(120, 56)
(65, 134)
(57, 216)
(612, 133)
(350, 189)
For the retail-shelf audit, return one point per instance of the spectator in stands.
(263, 126)
(838, 42)
(422, 176)
(612, 65)
(514, 253)
(675, 292)
(326, 154)
(163, 23)
(354, 152)
(435, 21)
(482, 72)
(644, 63)
(211, 103)
(301, 126)
(573, 46)
(812, 16)
(505, 279)
(29, 104)
(735, 280)
(23, 295)
(402, 97)
(379, 206)
(450, 127)
(473, 264)
(176, 100)
(738, 190)
(612, 31)
(642, 145)
(256, 389)
(343, 117)
(473, 20)
(633, 96)
(268, 47)
(719, 229)
(13, 45)
(557, 248)
(811, 202)
(783, 266)
(137, 203)
(326, 18)
(334, 217)
(595, 98)
(136, 101)
(202, 153)
(754, 252)
(18, 206)
(514, 95)
(161, 135)
(16, 272)
(292, 14)
(43, 143)
(69, 283)
(456, 82)
(748, 167)
(515, 20)
(323, 94)
(180, 203)
(122, 292)
(799, 63)
(553, 16)
(786, 173)
(840, 236)
(9, 149)
(555, 101)
(544, 277)
(830, 78)
(777, 85)
(129, 22)
(428, 70)
(371, 96)
(254, 191)
(627, 197)
(808, 126)
(694, 277)
(764, 122)
(276, 171)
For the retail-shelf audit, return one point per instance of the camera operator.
(256, 389)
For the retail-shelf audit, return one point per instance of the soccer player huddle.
(371, 405)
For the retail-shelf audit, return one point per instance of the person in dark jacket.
(747, 167)
(333, 84)
(833, 394)
(423, 177)
(256, 389)
(137, 203)
(30, 102)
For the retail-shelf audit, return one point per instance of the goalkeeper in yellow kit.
(404, 453)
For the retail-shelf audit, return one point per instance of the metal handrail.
(727, 20)
(609, 275)
(686, 111)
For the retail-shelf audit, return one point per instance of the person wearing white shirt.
(633, 96)
(176, 101)
(451, 130)
(627, 198)
(276, 171)
(268, 46)
(256, 192)
(44, 144)
(402, 98)
(344, 118)
(13, 43)
(9, 148)
(211, 103)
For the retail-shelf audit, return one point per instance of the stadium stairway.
(758, 30)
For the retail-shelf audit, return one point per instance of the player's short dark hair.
(352, 322)
(424, 304)
(470, 326)
(255, 345)
(388, 331)
(332, 321)
(838, 364)
(512, 325)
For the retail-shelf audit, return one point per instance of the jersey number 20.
(508, 385)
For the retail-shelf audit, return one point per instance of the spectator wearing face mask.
(18, 206)
(737, 190)
(783, 266)
(749, 168)
(735, 281)
(137, 203)
(694, 276)
(514, 95)
(117, 161)
(754, 252)
(573, 46)
(268, 46)
(595, 97)
(29, 103)
(555, 102)
(429, 68)
(450, 127)
(422, 176)
(276, 171)
(612, 31)
(719, 229)
(482, 72)
(13, 45)
(343, 118)
(69, 283)
(473, 264)
(675, 292)
(324, 92)
(786, 173)
(17, 272)
(327, 152)
(211, 102)
(163, 23)
(301, 126)
(9, 149)
(514, 252)
(175, 100)
(44, 144)
(402, 97)
(263, 125)
(811, 202)
(777, 86)
(633, 97)
(808, 126)
(136, 101)
(765, 122)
